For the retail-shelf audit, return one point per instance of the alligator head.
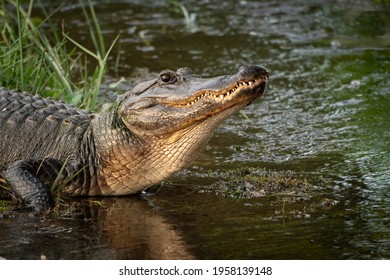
(178, 101)
(167, 120)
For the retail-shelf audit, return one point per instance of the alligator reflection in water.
(134, 230)
(117, 228)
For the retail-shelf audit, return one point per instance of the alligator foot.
(28, 180)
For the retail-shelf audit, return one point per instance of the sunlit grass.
(37, 57)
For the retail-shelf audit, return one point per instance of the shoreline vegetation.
(39, 57)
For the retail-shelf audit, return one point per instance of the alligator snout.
(252, 71)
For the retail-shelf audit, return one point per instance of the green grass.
(37, 57)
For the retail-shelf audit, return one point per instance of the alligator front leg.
(30, 181)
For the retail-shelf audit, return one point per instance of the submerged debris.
(252, 183)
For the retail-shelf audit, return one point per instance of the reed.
(37, 57)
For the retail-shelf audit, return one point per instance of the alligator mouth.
(237, 93)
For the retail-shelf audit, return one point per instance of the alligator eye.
(165, 78)
(168, 77)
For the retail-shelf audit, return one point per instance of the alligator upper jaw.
(210, 101)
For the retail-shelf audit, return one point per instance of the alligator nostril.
(262, 70)
(252, 71)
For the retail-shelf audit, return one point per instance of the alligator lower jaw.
(238, 92)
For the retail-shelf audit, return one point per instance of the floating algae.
(244, 183)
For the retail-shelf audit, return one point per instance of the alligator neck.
(130, 164)
(117, 150)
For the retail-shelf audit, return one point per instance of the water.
(325, 117)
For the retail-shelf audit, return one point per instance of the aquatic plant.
(252, 182)
(189, 18)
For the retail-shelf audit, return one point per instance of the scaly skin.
(148, 134)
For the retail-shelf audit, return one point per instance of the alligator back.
(35, 127)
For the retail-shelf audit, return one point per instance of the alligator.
(134, 143)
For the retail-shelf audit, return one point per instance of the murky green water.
(325, 116)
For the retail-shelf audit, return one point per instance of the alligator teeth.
(222, 96)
